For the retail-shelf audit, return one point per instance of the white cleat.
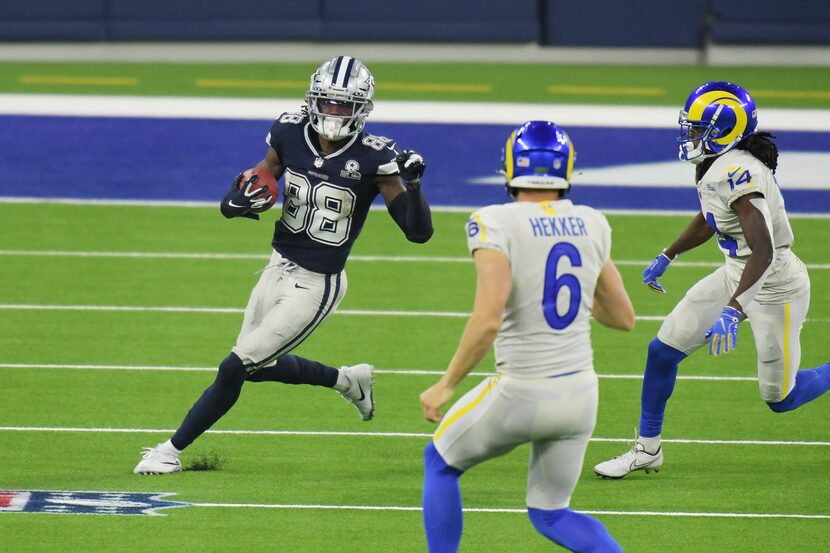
(156, 460)
(635, 458)
(361, 392)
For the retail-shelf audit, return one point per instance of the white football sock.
(168, 447)
(343, 383)
(650, 445)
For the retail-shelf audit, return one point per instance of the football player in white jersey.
(761, 280)
(543, 268)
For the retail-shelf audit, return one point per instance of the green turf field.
(112, 319)
(614, 84)
(111, 256)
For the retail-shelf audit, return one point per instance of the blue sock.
(809, 384)
(291, 369)
(574, 531)
(658, 385)
(443, 518)
(215, 402)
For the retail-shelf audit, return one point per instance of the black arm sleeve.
(411, 211)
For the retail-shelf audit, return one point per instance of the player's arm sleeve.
(483, 232)
(409, 207)
(411, 212)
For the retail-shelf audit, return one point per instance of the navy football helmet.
(538, 155)
(717, 116)
(339, 97)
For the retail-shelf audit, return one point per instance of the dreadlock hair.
(760, 145)
(702, 167)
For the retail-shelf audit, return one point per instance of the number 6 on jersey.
(554, 285)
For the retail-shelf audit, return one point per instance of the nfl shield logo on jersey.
(318, 162)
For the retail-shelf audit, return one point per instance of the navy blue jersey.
(325, 198)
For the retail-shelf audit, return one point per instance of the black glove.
(411, 166)
(241, 199)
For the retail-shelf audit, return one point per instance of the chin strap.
(332, 128)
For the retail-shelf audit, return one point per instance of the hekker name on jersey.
(326, 198)
(556, 251)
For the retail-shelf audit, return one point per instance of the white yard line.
(321, 433)
(356, 257)
(238, 310)
(686, 514)
(402, 372)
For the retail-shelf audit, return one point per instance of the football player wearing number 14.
(543, 268)
(762, 279)
(333, 170)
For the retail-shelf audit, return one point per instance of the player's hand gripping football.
(655, 270)
(247, 195)
(433, 399)
(412, 166)
(723, 336)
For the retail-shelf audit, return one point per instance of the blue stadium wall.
(605, 23)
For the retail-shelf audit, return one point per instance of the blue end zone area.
(195, 160)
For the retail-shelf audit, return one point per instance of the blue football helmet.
(716, 117)
(339, 97)
(538, 155)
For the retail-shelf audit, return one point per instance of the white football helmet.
(340, 97)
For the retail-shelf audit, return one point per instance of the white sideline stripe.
(405, 372)
(628, 440)
(357, 257)
(237, 310)
(689, 514)
(264, 109)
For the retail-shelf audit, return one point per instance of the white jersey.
(735, 174)
(556, 251)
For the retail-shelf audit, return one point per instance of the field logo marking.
(86, 503)
(130, 503)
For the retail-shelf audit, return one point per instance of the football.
(264, 178)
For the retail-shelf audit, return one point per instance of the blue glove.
(654, 270)
(723, 336)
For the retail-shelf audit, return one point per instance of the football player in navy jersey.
(333, 170)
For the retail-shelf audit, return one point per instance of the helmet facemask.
(695, 138)
(340, 98)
